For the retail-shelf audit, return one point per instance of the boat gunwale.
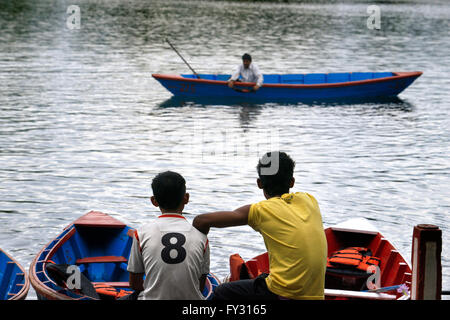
(26, 286)
(395, 76)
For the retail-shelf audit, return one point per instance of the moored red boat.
(14, 282)
(298, 87)
(345, 282)
(99, 245)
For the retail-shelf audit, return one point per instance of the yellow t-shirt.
(291, 226)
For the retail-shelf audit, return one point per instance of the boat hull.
(100, 246)
(14, 284)
(352, 90)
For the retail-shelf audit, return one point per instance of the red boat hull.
(393, 269)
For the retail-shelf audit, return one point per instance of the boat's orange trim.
(102, 259)
(397, 75)
(98, 219)
(114, 284)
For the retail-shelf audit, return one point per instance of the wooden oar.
(195, 73)
(384, 289)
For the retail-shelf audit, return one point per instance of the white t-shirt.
(173, 255)
(251, 74)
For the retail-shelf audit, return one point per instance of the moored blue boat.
(99, 245)
(299, 87)
(14, 282)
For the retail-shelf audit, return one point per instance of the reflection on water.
(84, 126)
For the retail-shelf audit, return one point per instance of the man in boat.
(291, 225)
(247, 72)
(173, 255)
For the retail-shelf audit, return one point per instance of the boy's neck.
(274, 196)
(173, 211)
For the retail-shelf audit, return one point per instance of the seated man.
(248, 72)
(173, 255)
(291, 226)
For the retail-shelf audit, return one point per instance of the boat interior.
(12, 278)
(100, 250)
(100, 246)
(310, 78)
(344, 284)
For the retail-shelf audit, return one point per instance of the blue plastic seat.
(292, 78)
(338, 77)
(377, 75)
(315, 78)
(271, 78)
(223, 77)
(358, 76)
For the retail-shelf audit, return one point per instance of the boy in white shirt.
(248, 72)
(170, 252)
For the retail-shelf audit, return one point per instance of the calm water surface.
(83, 125)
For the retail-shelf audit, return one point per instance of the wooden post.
(426, 263)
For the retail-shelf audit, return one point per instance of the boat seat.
(357, 76)
(338, 77)
(206, 76)
(377, 75)
(292, 78)
(315, 78)
(122, 284)
(101, 259)
(190, 76)
(272, 78)
(223, 77)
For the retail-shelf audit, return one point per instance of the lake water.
(84, 126)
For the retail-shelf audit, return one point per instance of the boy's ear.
(186, 198)
(292, 182)
(259, 183)
(154, 202)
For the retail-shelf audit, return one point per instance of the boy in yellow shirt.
(291, 226)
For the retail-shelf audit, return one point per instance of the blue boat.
(14, 282)
(99, 245)
(298, 87)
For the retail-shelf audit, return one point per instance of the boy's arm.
(221, 219)
(137, 281)
(236, 74)
(136, 265)
(202, 282)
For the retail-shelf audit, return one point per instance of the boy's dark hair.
(168, 189)
(246, 56)
(278, 181)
